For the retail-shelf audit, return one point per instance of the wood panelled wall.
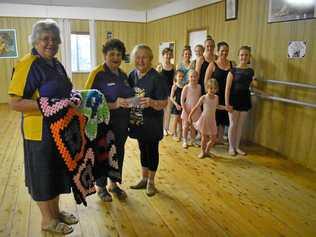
(287, 129)
(23, 28)
(129, 33)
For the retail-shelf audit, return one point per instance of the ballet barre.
(285, 100)
(289, 83)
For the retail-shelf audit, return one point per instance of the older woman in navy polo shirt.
(113, 83)
(40, 74)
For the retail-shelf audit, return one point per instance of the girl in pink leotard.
(189, 97)
(206, 124)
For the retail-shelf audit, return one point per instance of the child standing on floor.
(175, 98)
(206, 124)
(190, 96)
(238, 99)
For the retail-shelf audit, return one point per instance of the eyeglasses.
(46, 40)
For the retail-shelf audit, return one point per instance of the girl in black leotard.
(237, 98)
(176, 110)
(166, 69)
(219, 70)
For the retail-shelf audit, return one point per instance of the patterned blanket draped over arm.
(83, 139)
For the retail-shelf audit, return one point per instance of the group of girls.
(209, 94)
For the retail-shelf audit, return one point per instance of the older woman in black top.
(146, 122)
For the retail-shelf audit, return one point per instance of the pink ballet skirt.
(206, 124)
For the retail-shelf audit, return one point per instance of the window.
(80, 53)
(196, 37)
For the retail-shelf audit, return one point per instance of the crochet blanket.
(83, 139)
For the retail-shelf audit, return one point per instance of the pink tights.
(236, 122)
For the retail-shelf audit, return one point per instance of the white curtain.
(92, 43)
(65, 47)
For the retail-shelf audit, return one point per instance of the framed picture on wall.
(291, 10)
(8, 46)
(164, 45)
(231, 8)
(296, 49)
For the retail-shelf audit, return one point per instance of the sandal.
(104, 195)
(58, 227)
(68, 218)
(120, 193)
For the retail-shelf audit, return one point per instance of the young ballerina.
(189, 97)
(206, 124)
(237, 99)
(175, 98)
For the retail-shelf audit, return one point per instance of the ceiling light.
(301, 2)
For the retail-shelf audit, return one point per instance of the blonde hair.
(191, 71)
(211, 82)
(142, 47)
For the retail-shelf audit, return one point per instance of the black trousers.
(149, 154)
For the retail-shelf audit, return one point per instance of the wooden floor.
(257, 195)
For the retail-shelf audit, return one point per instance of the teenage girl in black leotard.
(237, 98)
(166, 69)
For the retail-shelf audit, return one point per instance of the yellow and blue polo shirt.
(33, 77)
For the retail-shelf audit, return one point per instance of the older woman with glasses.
(40, 74)
(109, 79)
(146, 118)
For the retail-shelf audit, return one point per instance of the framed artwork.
(231, 8)
(164, 45)
(296, 49)
(282, 10)
(8, 46)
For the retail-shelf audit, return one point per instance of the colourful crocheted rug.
(87, 154)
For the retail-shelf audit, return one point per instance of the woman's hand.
(145, 102)
(19, 104)
(121, 103)
(190, 118)
(178, 107)
(186, 109)
(229, 108)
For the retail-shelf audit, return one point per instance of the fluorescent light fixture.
(302, 3)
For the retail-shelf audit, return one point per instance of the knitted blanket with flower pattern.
(81, 134)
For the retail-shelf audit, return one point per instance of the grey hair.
(140, 47)
(47, 25)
